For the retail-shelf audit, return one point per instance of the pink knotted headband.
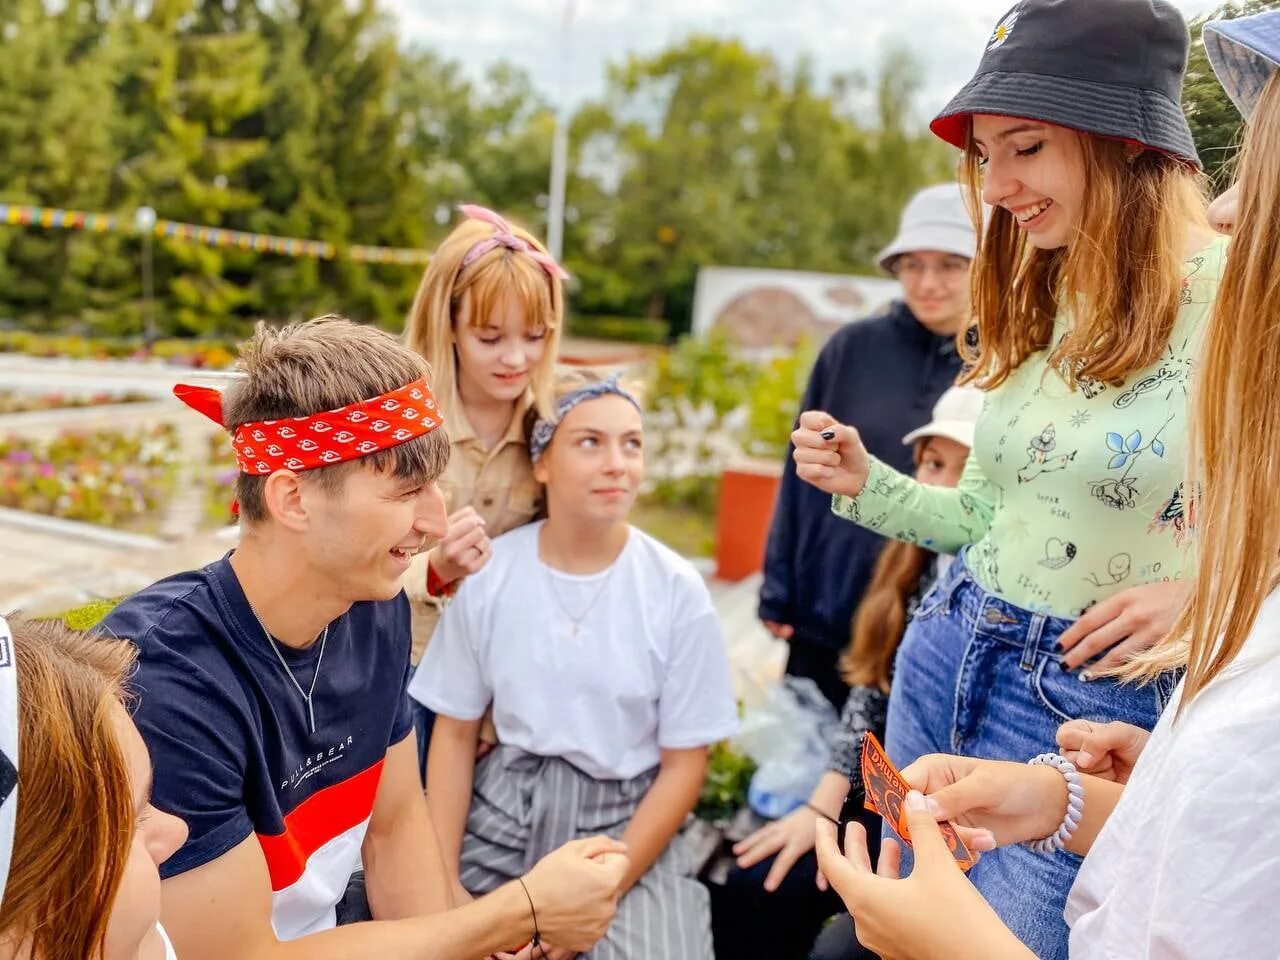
(505, 237)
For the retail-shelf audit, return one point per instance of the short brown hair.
(322, 364)
(76, 815)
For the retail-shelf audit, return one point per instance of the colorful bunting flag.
(52, 217)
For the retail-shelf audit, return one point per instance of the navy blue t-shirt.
(230, 735)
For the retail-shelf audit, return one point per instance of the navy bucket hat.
(1108, 67)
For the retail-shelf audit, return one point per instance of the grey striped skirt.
(524, 806)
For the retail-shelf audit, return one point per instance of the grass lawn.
(684, 529)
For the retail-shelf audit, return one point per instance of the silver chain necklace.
(305, 694)
(577, 621)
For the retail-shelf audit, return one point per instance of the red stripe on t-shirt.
(317, 820)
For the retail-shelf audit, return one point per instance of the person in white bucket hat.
(885, 373)
(936, 219)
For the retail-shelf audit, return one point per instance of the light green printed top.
(1069, 495)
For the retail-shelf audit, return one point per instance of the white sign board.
(771, 308)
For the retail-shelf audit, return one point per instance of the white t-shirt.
(647, 669)
(1188, 865)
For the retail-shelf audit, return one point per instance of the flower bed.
(12, 401)
(211, 354)
(119, 479)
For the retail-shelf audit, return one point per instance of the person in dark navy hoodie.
(271, 683)
(882, 374)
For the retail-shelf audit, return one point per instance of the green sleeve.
(942, 519)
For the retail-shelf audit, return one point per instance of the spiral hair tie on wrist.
(535, 941)
(1075, 804)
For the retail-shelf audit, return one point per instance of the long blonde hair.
(1121, 277)
(485, 283)
(1235, 431)
(76, 812)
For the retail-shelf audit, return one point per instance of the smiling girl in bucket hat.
(1170, 873)
(1094, 276)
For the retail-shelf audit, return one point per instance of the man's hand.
(545, 951)
(1124, 625)
(464, 550)
(1105, 750)
(575, 891)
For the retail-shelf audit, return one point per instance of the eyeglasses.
(912, 267)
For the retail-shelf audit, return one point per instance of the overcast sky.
(840, 35)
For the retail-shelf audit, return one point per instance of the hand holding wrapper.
(883, 790)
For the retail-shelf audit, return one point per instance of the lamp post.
(560, 144)
(144, 221)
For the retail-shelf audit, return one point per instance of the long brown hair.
(881, 619)
(485, 282)
(76, 814)
(1121, 277)
(1235, 431)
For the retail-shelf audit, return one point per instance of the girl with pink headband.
(487, 317)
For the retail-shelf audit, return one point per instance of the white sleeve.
(1221, 868)
(1215, 875)
(696, 706)
(450, 679)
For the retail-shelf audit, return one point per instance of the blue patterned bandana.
(544, 430)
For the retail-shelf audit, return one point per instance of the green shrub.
(703, 370)
(631, 329)
(775, 401)
(724, 792)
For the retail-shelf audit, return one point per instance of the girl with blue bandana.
(603, 657)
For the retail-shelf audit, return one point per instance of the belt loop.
(955, 575)
(1032, 646)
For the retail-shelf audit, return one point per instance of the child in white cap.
(903, 574)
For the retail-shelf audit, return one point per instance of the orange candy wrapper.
(886, 794)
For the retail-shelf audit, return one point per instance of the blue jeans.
(981, 677)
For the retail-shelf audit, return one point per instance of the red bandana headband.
(323, 439)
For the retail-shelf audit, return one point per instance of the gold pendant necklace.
(576, 622)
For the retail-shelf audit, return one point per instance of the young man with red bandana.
(271, 683)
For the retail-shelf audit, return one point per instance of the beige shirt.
(498, 483)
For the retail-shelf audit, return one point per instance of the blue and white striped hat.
(1244, 53)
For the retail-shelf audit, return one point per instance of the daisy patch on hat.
(1004, 29)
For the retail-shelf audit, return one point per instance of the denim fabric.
(979, 676)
